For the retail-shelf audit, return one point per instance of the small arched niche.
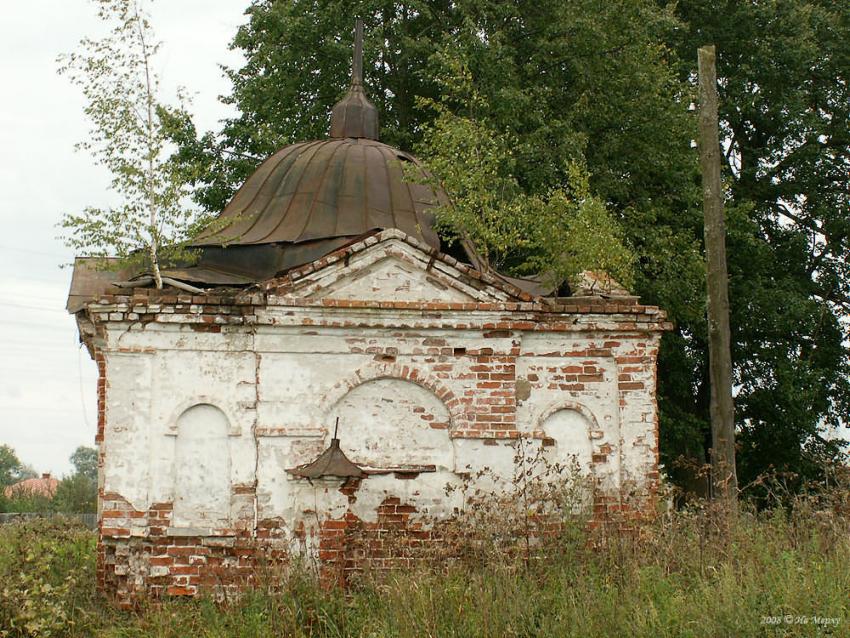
(202, 468)
(570, 430)
(391, 422)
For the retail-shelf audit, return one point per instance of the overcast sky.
(47, 382)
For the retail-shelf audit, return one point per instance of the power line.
(41, 308)
(33, 252)
(28, 296)
(32, 324)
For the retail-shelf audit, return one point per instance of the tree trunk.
(157, 275)
(724, 476)
(153, 248)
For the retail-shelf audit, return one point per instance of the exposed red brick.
(632, 385)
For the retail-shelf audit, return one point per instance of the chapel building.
(325, 365)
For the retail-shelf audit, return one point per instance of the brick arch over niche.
(186, 404)
(375, 371)
(564, 404)
(574, 429)
(393, 421)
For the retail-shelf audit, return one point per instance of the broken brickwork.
(207, 401)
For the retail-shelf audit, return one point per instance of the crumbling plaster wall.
(450, 397)
(205, 402)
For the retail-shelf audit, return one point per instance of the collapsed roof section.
(429, 276)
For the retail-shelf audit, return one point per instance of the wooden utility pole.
(724, 477)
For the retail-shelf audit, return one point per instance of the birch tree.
(151, 223)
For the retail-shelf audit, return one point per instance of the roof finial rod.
(357, 65)
(354, 115)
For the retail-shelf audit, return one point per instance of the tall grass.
(692, 572)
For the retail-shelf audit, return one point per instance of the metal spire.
(354, 115)
(357, 64)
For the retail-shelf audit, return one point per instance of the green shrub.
(76, 494)
(46, 578)
(27, 502)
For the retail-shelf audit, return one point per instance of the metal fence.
(89, 520)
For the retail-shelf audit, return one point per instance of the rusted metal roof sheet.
(536, 286)
(355, 116)
(259, 262)
(327, 189)
(243, 265)
(202, 275)
(92, 277)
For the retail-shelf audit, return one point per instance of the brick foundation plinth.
(140, 556)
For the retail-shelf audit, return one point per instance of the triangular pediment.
(391, 266)
(393, 277)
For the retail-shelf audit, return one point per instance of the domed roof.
(342, 187)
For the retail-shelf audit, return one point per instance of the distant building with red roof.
(44, 486)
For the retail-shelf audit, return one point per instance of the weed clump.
(47, 578)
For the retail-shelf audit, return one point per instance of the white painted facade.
(210, 422)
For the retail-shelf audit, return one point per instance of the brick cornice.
(236, 304)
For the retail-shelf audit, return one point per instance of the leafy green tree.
(12, 471)
(84, 460)
(559, 235)
(11, 468)
(77, 493)
(117, 78)
(784, 77)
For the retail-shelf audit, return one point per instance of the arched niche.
(571, 432)
(391, 422)
(202, 468)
